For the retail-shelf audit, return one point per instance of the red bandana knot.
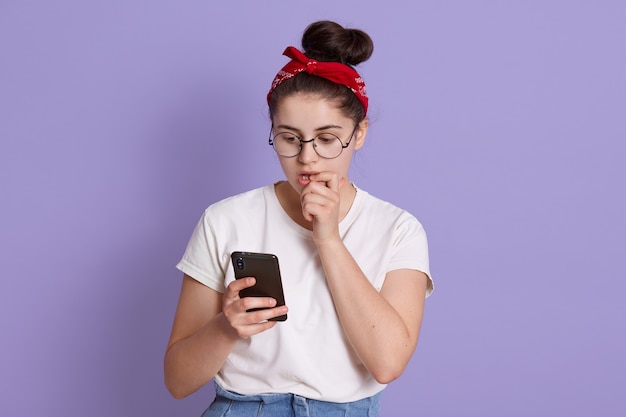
(311, 66)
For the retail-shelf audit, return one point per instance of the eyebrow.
(317, 130)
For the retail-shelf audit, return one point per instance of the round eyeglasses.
(326, 145)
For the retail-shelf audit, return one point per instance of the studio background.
(500, 125)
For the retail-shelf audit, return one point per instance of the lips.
(304, 178)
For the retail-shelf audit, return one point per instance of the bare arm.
(206, 327)
(383, 328)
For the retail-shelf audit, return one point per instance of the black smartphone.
(264, 267)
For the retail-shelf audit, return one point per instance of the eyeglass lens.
(326, 145)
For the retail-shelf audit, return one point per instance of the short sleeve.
(410, 248)
(201, 260)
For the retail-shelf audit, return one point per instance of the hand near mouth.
(320, 199)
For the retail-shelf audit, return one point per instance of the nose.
(307, 152)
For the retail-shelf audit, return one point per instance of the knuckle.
(232, 290)
(258, 316)
(241, 333)
(247, 303)
(229, 316)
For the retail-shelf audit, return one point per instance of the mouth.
(304, 178)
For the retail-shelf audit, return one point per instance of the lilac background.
(501, 125)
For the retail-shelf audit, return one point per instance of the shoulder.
(245, 201)
(371, 205)
(238, 210)
(387, 220)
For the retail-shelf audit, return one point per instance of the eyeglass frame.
(302, 142)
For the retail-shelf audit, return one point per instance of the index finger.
(331, 179)
(239, 284)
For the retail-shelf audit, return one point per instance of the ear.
(361, 133)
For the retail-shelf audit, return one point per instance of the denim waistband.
(265, 398)
(287, 404)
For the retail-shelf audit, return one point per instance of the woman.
(354, 268)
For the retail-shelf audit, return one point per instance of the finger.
(333, 183)
(305, 203)
(251, 310)
(261, 316)
(237, 285)
(329, 178)
(251, 330)
(313, 205)
(248, 303)
(318, 188)
(322, 196)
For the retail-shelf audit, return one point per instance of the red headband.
(334, 71)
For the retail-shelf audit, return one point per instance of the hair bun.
(329, 41)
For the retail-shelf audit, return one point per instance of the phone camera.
(240, 263)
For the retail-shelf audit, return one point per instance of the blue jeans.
(231, 404)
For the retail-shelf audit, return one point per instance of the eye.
(288, 138)
(326, 139)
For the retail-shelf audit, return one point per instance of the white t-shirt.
(308, 354)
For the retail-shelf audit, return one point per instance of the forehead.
(308, 111)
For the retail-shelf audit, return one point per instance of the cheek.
(289, 168)
(342, 164)
(285, 164)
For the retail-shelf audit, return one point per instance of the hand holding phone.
(265, 269)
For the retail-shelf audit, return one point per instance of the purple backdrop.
(500, 125)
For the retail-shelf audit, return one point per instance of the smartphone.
(264, 267)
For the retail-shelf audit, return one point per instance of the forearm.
(374, 328)
(192, 362)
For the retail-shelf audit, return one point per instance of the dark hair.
(330, 42)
